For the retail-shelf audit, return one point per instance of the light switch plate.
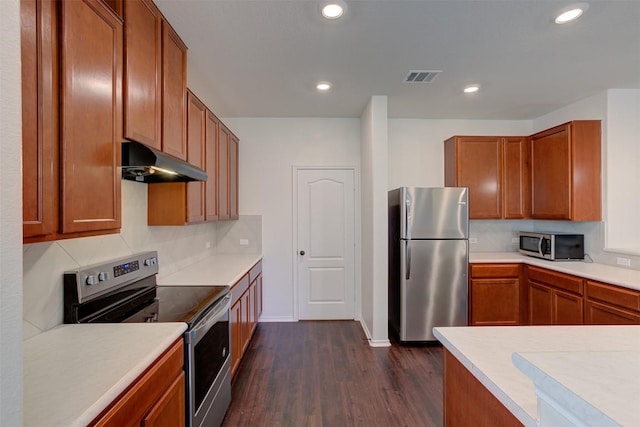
(244, 242)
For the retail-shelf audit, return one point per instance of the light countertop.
(216, 270)
(577, 357)
(598, 388)
(604, 273)
(73, 372)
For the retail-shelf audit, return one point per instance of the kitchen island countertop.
(73, 372)
(601, 272)
(487, 352)
(216, 270)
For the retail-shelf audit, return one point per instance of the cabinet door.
(567, 309)
(605, 314)
(174, 93)
(196, 120)
(39, 117)
(90, 116)
(516, 178)
(224, 138)
(494, 302)
(551, 175)
(246, 319)
(169, 411)
(142, 72)
(478, 165)
(211, 167)
(236, 335)
(258, 297)
(233, 177)
(540, 305)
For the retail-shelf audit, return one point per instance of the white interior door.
(325, 243)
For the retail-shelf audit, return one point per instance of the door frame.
(357, 312)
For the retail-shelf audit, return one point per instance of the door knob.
(301, 252)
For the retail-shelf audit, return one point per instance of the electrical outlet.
(623, 261)
(207, 245)
(515, 240)
(244, 242)
(473, 240)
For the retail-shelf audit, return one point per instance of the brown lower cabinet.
(512, 294)
(554, 298)
(155, 399)
(611, 305)
(467, 402)
(246, 307)
(495, 295)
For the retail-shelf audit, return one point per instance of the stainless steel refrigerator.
(428, 260)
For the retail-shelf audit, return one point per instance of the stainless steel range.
(125, 290)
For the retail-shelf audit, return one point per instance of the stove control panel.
(94, 280)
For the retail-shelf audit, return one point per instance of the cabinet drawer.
(621, 297)
(495, 270)
(557, 280)
(255, 271)
(239, 288)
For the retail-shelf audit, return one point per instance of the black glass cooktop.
(187, 303)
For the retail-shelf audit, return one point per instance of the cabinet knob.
(301, 252)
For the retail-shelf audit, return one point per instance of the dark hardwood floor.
(316, 373)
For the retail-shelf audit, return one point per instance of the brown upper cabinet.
(143, 73)
(60, 190)
(234, 146)
(211, 146)
(211, 167)
(565, 172)
(496, 171)
(174, 92)
(91, 48)
(224, 138)
(180, 203)
(155, 85)
(39, 118)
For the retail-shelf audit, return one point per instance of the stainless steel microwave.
(552, 246)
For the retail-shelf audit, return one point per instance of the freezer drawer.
(433, 286)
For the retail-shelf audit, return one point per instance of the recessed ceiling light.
(333, 9)
(471, 88)
(323, 86)
(571, 13)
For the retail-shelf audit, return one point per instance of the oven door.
(208, 366)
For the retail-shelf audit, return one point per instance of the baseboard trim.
(275, 319)
(372, 342)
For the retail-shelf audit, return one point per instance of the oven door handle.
(203, 326)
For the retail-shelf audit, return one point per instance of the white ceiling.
(262, 58)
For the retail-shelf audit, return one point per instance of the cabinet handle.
(302, 253)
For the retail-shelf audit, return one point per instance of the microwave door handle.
(540, 246)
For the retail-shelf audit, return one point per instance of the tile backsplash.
(44, 263)
(496, 236)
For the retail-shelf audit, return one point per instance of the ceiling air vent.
(421, 76)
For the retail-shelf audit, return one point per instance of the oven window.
(210, 354)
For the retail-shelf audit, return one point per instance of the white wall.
(416, 146)
(10, 217)
(374, 159)
(622, 166)
(269, 148)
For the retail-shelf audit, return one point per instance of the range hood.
(142, 163)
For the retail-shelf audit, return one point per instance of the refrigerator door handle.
(407, 219)
(408, 258)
